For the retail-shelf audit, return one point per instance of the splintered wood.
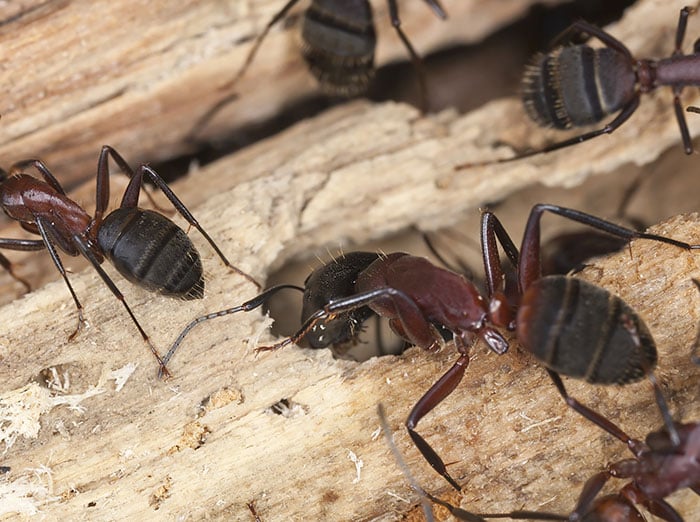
(206, 443)
(76, 75)
(88, 430)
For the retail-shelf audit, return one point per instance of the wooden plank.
(354, 173)
(77, 75)
(203, 444)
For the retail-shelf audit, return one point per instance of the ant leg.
(621, 118)
(204, 120)
(415, 58)
(680, 31)
(434, 396)
(43, 230)
(252, 304)
(415, 327)
(529, 263)
(590, 490)
(634, 445)
(665, 412)
(102, 183)
(84, 249)
(7, 265)
(39, 165)
(682, 124)
(258, 40)
(184, 212)
(492, 229)
(583, 27)
(23, 245)
(459, 265)
(657, 507)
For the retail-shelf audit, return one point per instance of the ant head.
(334, 280)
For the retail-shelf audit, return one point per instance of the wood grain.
(137, 75)
(204, 444)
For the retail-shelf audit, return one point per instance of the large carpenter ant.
(146, 247)
(572, 327)
(578, 85)
(338, 44)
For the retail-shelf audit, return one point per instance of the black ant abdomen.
(170, 263)
(338, 42)
(554, 312)
(576, 86)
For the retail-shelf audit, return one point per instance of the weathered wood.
(77, 74)
(203, 443)
(353, 173)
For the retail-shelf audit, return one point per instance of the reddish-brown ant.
(577, 85)
(659, 468)
(147, 248)
(572, 327)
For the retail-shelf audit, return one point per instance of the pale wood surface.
(137, 75)
(354, 173)
(132, 453)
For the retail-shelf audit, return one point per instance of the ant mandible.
(578, 85)
(146, 247)
(572, 327)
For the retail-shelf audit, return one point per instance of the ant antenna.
(389, 436)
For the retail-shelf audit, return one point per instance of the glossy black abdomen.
(153, 252)
(338, 45)
(581, 330)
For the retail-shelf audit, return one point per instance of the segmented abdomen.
(153, 252)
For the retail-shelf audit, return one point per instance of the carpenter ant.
(338, 43)
(147, 248)
(659, 468)
(578, 85)
(572, 327)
